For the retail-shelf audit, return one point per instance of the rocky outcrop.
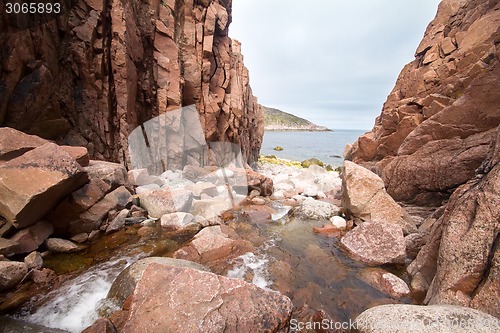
(104, 67)
(277, 120)
(460, 264)
(436, 125)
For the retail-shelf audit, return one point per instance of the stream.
(309, 268)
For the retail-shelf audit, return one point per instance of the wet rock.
(113, 174)
(177, 220)
(224, 304)
(212, 244)
(385, 282)
(29, 239)
(316, 210)
(118, 222)
(165, 201)
(11, 273)
(11, 325)
(311, 161)
(33, 183)
(101, 325)
(404, 318)
(124, 285)
(376, 243)
(34, 260)
(365, 198)
(60, 245)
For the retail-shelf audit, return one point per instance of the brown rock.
(118, 222)
(93, 218)
(59, 245)
(259, 182)
(8, 246)
(32, 184)
(223, 304)
(165, 201)
(364, 197)
(11, 273)
(113, 174)
(14, 143)
(451, 93)
(80, 154)
(101, 325)
(459, 263)
(385, 282)
(34, 260)
(376, 243)
(31, 238)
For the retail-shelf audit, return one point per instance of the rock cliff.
(437, 123)
(100, 68)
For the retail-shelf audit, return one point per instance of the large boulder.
(460, 264)
(316, 210)
(113, 174)
(174, 299)
(376, 243)
(33, 183)
(14, 143)
(405, 318)
(30, 238)
(125, 284)
(364, 197)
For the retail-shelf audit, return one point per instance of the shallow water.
(309, 268)
(298, 146)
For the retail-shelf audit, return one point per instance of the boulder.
(92, 218)
(385, 282)
(222, 304)
(34, 260)
(164, 201)
(11, 273)
(79, 154)
(365, 198)
(14, 143)
(124, 285)
(29, 239)
(376, 243)
(259, 182)
(33, 183)
(210, 208)
(101, 325)
(405, 318)
(178, 220)
(212, 244)
(8, 246)
(113, 174)
(59, 245)
(316, 210)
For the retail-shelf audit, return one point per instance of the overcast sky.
(330, 61)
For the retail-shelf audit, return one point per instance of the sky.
(332, 62)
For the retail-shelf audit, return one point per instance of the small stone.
(34, 260)
(147, 188)
(80, 238)
(310, 192)
(258, 201)
(118, 222)
(339, 222)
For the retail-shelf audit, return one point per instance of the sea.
(298, 146)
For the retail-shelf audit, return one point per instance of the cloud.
(333, 62)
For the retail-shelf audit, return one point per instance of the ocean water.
(298, 146)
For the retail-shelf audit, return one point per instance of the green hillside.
(277, 120)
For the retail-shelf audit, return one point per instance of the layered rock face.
(103, 67)
(437, 123)
(460, 264)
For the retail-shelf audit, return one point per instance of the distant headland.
(277, 120)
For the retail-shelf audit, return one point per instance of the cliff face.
(436, 125)
(103, 67)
